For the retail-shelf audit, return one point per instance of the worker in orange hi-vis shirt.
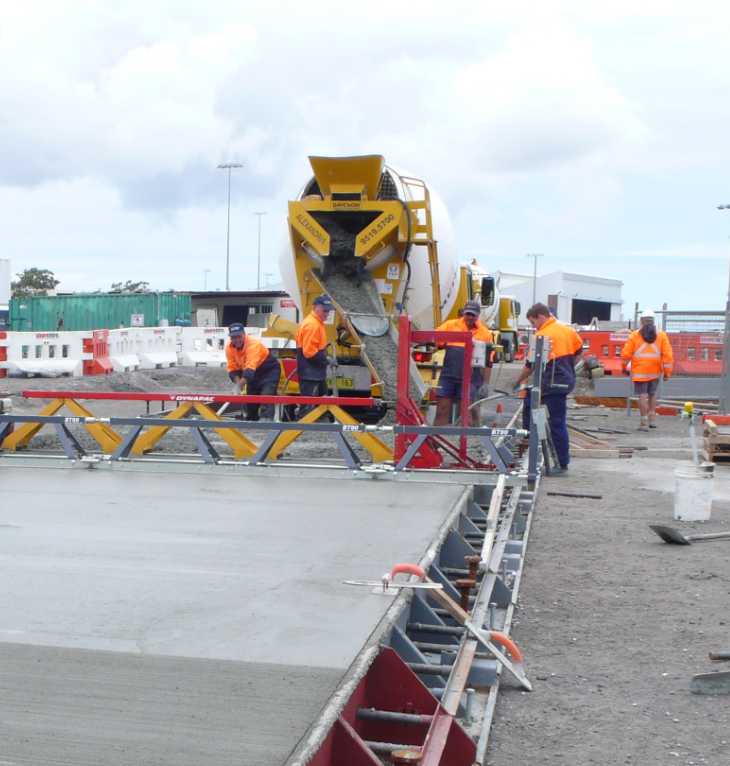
(450, 380)
(312, 357)
(648, 354)
(558, 378)
(252, 365)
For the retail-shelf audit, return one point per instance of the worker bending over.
(649, 355)
(312, 358)
(450, 380)
(250, 364)
(558, 378)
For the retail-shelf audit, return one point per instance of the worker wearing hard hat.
(252, 365)
(450, 380)
(648, 354)
(312, 361)
(558, 378)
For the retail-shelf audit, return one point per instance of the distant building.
(573, 298)
(252, 308)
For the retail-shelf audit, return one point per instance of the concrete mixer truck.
(380, 243)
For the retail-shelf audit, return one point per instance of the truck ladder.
(422, 234)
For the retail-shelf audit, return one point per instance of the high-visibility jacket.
(454, 357)
(312, 349)
(648, 360)
(565, 344)
(252, 360)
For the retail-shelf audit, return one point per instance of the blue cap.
(236, 329)
(325, 301)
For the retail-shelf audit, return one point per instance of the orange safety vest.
(564, 340)
(311, 335)
(250, 356)
(648, 360)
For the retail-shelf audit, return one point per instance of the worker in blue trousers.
(558, 378)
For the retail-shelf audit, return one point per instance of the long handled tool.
(487, 638)
(671, 535)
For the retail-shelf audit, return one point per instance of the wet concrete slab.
(112, 576)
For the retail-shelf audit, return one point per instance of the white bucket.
(693, 485)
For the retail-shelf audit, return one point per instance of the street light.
(258, 262)
(228, 166)
(724, 403)
(205, 278)
(534, 256)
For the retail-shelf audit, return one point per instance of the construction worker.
(250, 364)
(312, 357)
(558, 378)
(450, 380)
(649, 355)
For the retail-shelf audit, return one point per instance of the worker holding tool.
(558, 378)
(450, 380)
(649, 355)
(251, 365)
(312, 360)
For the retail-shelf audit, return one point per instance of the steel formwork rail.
(478, 431)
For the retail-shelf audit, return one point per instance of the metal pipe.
(427, 628)
(415, 719)
(428, 669)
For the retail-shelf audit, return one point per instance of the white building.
(573, 298)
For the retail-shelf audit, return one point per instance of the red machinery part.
(340, 401)
(420, 724)
(3, 353)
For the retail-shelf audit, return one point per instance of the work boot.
(643, 425)
(652, 423)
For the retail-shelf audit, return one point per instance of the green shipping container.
(98, 311)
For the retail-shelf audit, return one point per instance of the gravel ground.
(614, 622)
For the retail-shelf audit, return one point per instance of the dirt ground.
(614, 622)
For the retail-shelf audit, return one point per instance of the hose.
(406, 253)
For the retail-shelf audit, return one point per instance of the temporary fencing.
(694, 353)
(97, 352)
(47, 354)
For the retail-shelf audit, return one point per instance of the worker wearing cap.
(450, 380)
(648, 354)
(251, 364)
(312, 358)
(558, 378)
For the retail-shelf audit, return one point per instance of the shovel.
(711, 683)
(671, 535)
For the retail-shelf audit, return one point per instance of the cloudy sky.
(598, 138)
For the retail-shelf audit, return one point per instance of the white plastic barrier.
(45, 354)
(156, 347)
(202, 346)
(122, 350)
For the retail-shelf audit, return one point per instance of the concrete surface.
(84, 708)
(195, 568)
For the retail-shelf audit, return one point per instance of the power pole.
(259, 214)
(725, 385)
(228, 166)
(534, 257)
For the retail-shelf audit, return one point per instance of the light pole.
(259, 214)
(534, 256)
(724, 404)
(228, 166)
(205, 278)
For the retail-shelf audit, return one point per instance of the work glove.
(516, 387)
(625, 371)
(332, 361)
(483, 391)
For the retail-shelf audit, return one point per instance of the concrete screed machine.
(380, 243)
